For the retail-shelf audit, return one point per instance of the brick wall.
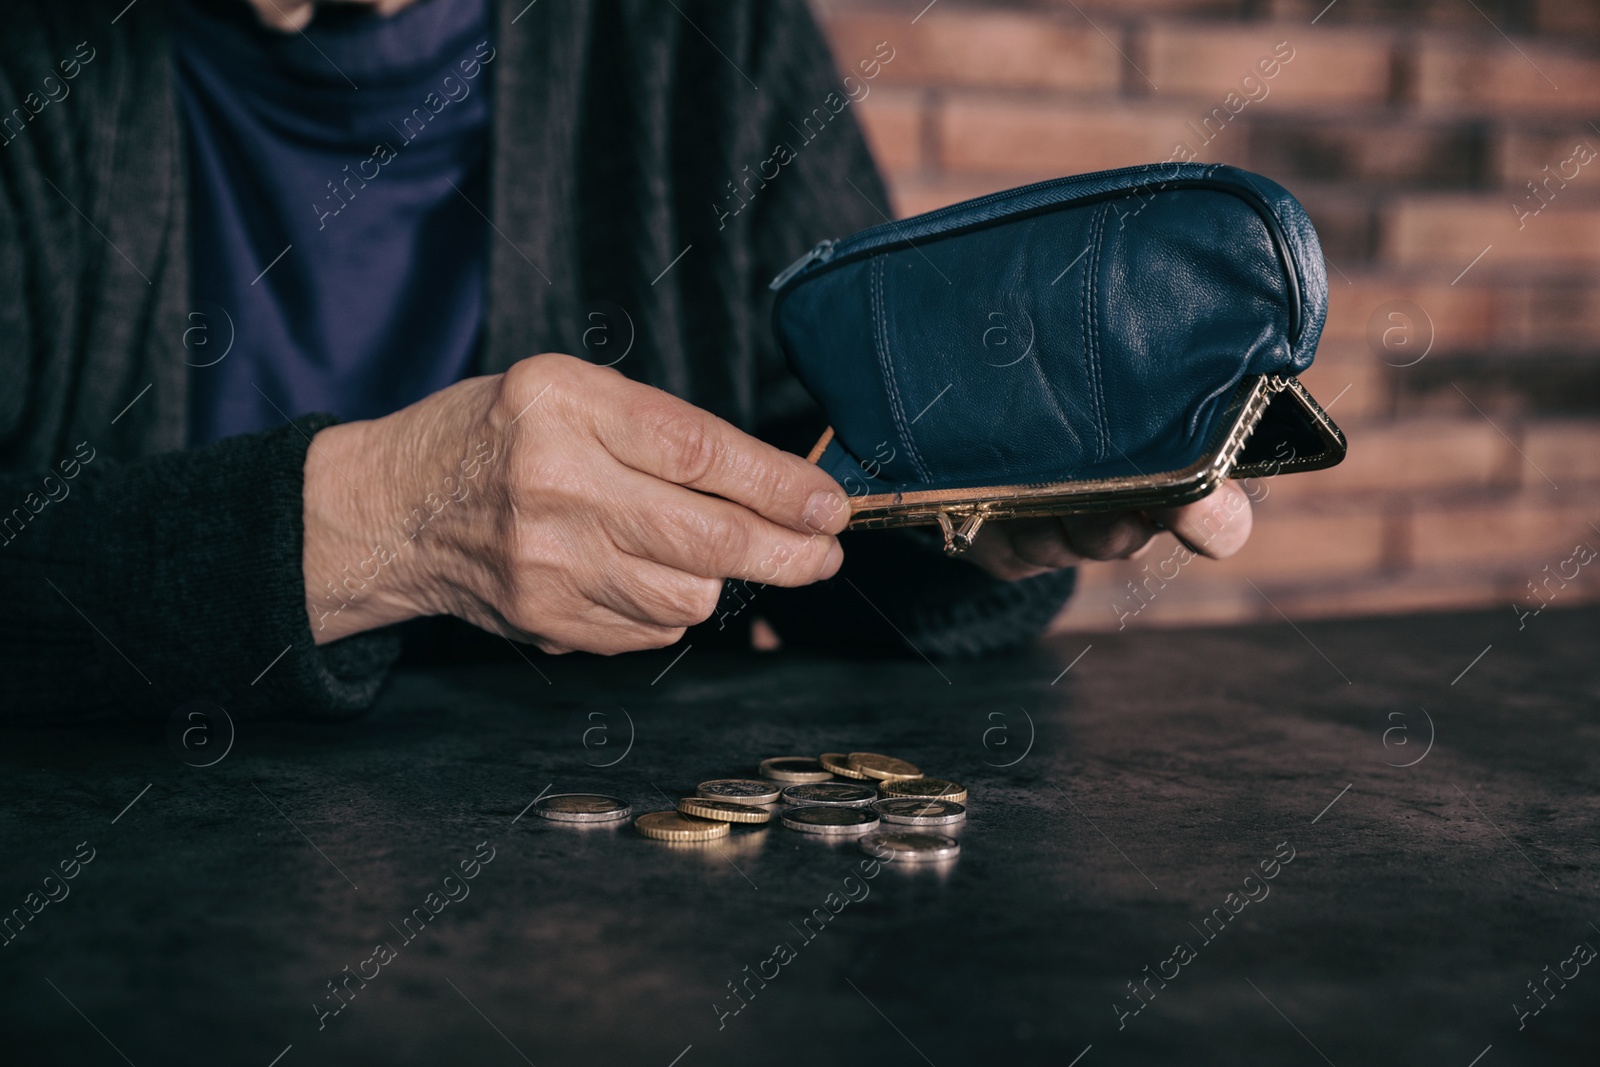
(1409, 130)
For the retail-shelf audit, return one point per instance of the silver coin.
(739, 790)
(795, 769)
(910, 847)
(581, 807)
(816, 819)
(832, 794)
(920, 811)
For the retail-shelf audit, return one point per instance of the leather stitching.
(881, 337)
(1083, 330)
(1091, 323)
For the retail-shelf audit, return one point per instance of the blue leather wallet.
(1114, 341)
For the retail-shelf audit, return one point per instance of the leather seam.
(881, 336)
(1091, 321)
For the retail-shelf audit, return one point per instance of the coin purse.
(1115, 341)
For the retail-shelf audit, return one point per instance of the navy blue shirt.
(336, 180)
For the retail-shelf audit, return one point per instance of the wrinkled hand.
(1216, 526)
(561, 504)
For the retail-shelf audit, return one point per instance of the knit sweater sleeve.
(897, 590)
(138, 587)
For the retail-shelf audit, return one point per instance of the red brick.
(1285, 547)
(1369, 150)
(1564, 315)
(1343, 219)
(1496, 77)
(1030, 140)
(1451, 13)
(1450, 231)
(1461, 316)
(1567, 18)
(1566, 450)
(1447, 590)
(914, 194)
(893, 121)
(1414, 455)
(1348, 382)
(1326, 66)
(1532, 155)
(1132, 8)
(951, 47)
(1524, 528)
(1290, 543)
(1102, 601)
(1389, 594)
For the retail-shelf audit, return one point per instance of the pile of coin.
(875, 790)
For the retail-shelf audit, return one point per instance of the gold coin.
(723, 810)
(932, 788)
(839, 764)
(884, 768)
(672, 826)
(794, 769)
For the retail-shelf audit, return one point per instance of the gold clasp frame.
(957, 539)
(960, 512)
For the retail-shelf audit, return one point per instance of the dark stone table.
(1120, 809)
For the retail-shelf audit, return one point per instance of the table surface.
(1124, 787)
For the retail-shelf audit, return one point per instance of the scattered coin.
(673, 826)
(884, 768)
(794, 769)
(723, 810)
(739, 790)
(933, 788)
(918, 811)
(906, 847)
(831, 794)
(815, 819)
(839, 764)
(581, 807)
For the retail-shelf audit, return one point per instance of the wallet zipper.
(890, 235)
(822, 251)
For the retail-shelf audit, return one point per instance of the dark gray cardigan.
(138, 576)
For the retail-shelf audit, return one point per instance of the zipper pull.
(821, 253)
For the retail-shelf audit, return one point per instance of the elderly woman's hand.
(1216, 526)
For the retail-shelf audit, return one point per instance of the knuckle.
(690, 450)
(650, 601)
(683, 602)
(784, 563)
(526, 377)
(687, 531)
(813, 555)
(727, 544)
(552, 380)
(702, 601)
